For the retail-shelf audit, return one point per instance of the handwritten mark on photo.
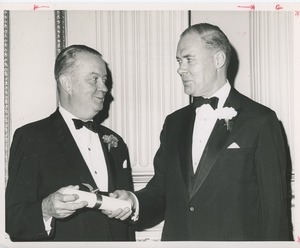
(251, 7)
(278, 7)
(35, 7)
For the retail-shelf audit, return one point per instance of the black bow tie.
(199, 101)
(88, 124)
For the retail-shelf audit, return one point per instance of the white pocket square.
(233, 146)
(125, 164)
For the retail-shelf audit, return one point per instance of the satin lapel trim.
(111, 170)
(215, 144)
(185, 146)
(71, 151)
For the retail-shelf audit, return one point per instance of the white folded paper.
(97, 201)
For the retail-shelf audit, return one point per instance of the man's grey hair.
(67, 58)
(212, 38)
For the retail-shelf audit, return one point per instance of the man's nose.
(182, 68)
(102, 86)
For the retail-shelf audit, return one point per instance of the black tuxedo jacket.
(235, 194)
(44, 157)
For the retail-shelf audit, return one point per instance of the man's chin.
(187, 90)
(99, 107)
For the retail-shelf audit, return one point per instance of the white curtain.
(272, 74)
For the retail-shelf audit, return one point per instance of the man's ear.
(220, 59)
(65, 83)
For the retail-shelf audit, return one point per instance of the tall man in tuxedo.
(220, 167)
(68, 149)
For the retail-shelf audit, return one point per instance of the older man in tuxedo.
(220, 168)
(68, 149)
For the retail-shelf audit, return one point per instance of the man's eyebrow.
(94, 73)
(189, 55)
(98, 74)
(186, 56)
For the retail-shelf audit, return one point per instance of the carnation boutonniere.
(110, 140)
(226, 114)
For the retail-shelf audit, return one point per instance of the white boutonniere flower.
(110, 140)
(226, 114)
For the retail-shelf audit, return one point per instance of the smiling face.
(85, 85)
(196, 66)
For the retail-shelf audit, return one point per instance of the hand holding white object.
(97, 201)
(122, 213)
(59, 205)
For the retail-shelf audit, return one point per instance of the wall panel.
(31, 66)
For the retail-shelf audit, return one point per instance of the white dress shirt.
(204, 123)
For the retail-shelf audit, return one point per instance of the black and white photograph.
(141, 125)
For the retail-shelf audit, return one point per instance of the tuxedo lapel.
(71, 151)
(111, 169)
(210, 154)
(216, 143)
(185, 146)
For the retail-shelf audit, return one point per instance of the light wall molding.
(7, 116)
(60, 30)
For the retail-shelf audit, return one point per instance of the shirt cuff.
(135, 208)
(47, 224)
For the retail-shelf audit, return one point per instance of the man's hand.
(120, 213)
(60, 205)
